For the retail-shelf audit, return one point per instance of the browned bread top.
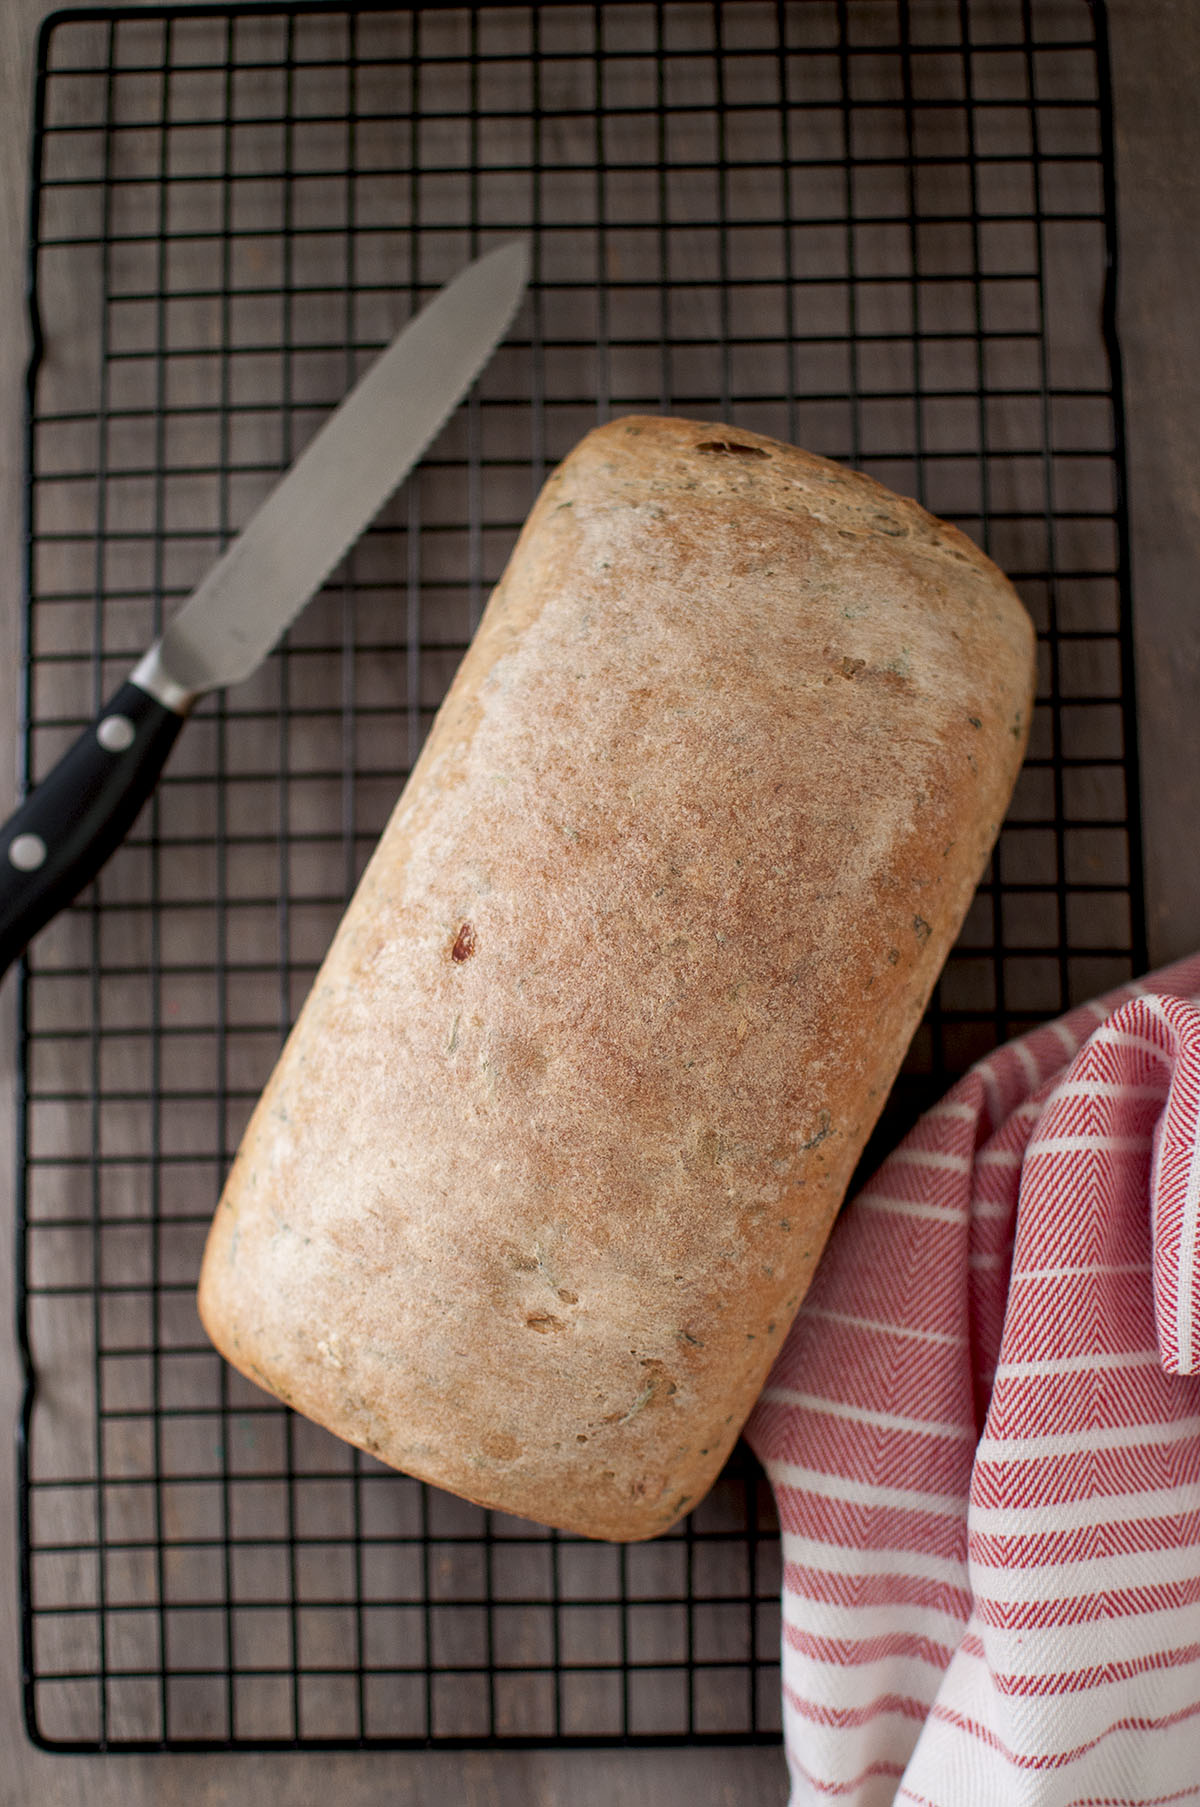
(543, 1172)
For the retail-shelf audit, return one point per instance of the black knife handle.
(79, 814)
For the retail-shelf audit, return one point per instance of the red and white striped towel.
(983, 1434)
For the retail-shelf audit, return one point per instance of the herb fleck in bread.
(544, 1169)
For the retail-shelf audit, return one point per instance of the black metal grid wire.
(881, 229)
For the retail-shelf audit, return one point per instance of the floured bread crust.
(544, 1169)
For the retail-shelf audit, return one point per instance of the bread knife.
(76, 817)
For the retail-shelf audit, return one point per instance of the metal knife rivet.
(26, 852)
(115, 733)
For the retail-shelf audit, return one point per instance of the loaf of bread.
(546, 1164)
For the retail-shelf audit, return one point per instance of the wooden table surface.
(1156, 57)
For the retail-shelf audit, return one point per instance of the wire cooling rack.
(880, 229)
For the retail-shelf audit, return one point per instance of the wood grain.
(709, 1778)
(1157, 62)
(1156, 57)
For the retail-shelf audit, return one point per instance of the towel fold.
(983, 1436)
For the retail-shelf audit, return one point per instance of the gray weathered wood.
(1157, 58)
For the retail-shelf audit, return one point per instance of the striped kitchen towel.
(983, 1434)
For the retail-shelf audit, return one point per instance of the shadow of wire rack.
(880, 229)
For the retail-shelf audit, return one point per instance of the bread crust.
(544, 1169)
